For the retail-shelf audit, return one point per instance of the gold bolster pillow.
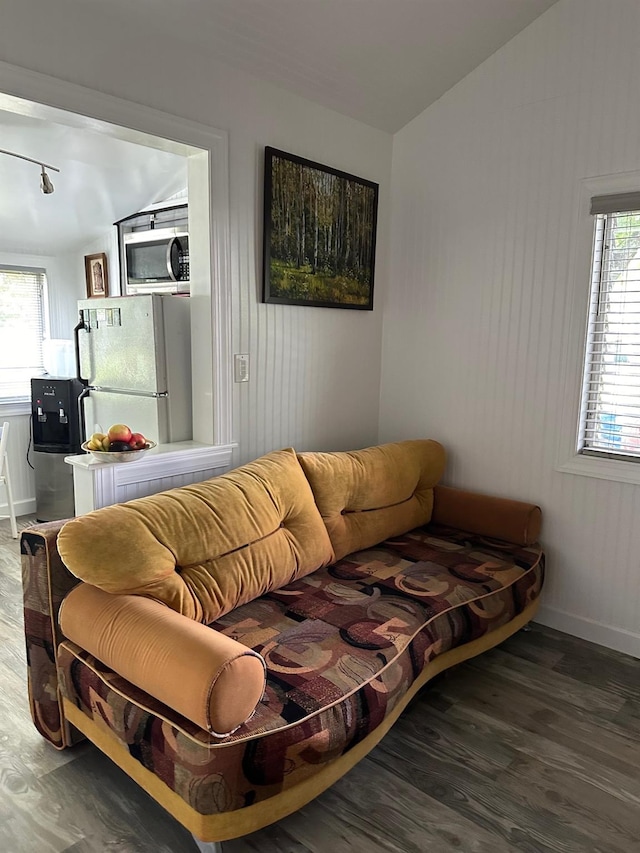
(497, 518)
(207, 677)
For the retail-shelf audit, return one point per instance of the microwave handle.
(172, 242)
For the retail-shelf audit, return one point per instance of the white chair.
(5, 480)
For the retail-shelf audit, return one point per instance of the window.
(609, 423)
(21, 330)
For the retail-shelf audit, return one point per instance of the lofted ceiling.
(102, 179)
(380, 61)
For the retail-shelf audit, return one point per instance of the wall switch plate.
(241, 367)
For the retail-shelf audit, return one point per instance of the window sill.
(14, 408)
(602, 469)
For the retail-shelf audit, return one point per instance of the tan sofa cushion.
(365, 496)
(205, 676)
(206, 548)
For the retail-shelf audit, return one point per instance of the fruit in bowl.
(118, 444)
(119, 432)
(137, 441)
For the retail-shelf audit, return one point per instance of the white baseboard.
(603, 635)
(27, 506)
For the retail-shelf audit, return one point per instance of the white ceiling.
(101, 180)
(381, 61)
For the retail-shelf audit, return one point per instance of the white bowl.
(119, 455)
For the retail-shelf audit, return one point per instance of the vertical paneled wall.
(314, 372)
(476, 334)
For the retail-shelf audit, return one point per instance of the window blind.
(610, 412)
(21, 330)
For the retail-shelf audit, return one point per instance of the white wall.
(107, 243)
(314, 372)
(476, 329)
(65, 277)
(22, 479)
(63, 290)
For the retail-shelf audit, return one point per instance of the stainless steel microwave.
(158, 257)
(154, 252)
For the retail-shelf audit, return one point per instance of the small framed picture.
(96, 275)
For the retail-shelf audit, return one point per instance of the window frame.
(604, 211)
(20, 405)
(568, 459)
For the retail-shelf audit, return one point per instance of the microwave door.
(153, 260)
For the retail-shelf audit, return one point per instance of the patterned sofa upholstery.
(345, 646)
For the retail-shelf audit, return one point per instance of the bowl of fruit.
(118, 444)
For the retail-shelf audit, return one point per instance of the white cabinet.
(97, 484)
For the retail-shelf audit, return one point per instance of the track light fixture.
(45, 181)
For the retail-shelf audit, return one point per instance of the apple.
(119, 432)
(137, 441)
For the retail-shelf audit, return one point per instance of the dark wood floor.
(534, 746)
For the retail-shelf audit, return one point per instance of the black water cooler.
(56, 434)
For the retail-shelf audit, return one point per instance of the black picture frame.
(319, 234)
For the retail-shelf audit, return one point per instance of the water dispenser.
(56, 433)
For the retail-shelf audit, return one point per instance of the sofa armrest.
(45, 583)
(496, 518)
(202, 674)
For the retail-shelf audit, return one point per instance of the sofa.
(237, 645)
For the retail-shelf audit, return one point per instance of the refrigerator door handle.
(156, 394)
(81, 425)
(76, 341)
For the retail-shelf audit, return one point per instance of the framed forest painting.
(319, 234)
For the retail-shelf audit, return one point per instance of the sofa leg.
(208, 846)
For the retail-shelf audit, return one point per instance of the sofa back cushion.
(366, 496)
(205, 549)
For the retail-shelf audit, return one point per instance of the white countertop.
(163, 452)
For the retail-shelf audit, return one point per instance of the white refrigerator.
(133, 353)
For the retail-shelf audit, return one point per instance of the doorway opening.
(93, 132)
